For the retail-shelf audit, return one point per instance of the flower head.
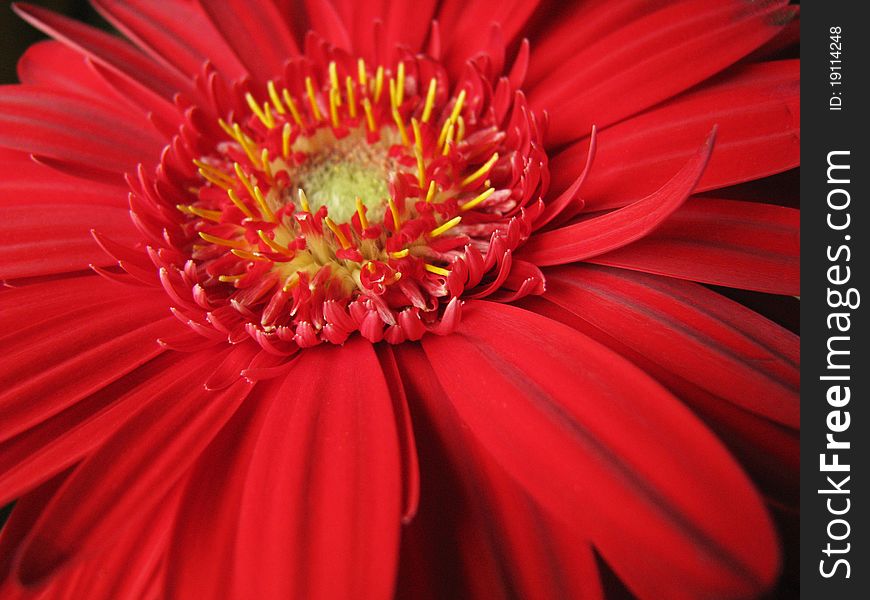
(372, 301)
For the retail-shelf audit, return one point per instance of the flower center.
(360, 199)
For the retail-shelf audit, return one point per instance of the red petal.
(634, 470)
(322, 501)
(131, 473)
(62, 440)
(601, 234)
(756, 107)
(656, 57)
(82, 348)
(72, 128)
(52, 65)
(722, 242)
(258, 35)
(57, 238)
(703, 337)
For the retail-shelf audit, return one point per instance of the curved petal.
(405, 22)
(656, 56)
(321, 507)
(57, 238)
(52, 65)
(131, 473)
(722, 242)
(653, 506)
(604, 233)
(757, 110)
(703, 337)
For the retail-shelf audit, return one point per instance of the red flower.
(442, 329)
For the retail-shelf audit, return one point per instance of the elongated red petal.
(757, 109)
(259, 36)
(693, 332)
(656, 57)
(321, 507)
(723, 242)
(601, 234)
(56, 238)
(52, 65)
(125, 476)
(405, 22)
(622, 475)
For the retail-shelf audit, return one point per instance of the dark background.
(16, 35)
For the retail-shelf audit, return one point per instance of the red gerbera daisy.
(372, 300)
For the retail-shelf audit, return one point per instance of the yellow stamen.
(234, 198)
(246, 143)
(360, 211)
(448, 140)
(436, 270)
(229, 278)
(213, 239)
(421, 169)
(361, 73)
(351, 97)
(379, 83)
(484, 168)
(291, 281)
(276, 99)
(400, 253)
(227, 128)
(208, 176)
(285, 140)
(430, 100)
(214, 171)
(393, 104)
(303, 201)
(446, 226)
(333, 81)
(249, 255)
(255, 108)
(263, 206)
(334, 101)
(457, 108)
(418, 135)
(243, 177)
(312, 99)
(336, 231)
(370, 117)
(267, 166)
(278, 248)
(395, 212)
(472, 203)
(270, 117)
(460, 133)
(203, 213)
(400, 84)
(430, 193)
(291, 104)
(401, 127)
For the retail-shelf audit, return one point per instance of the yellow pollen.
(395, 212)
(400, 84)
(401, 127)
(285, 140)
(234, 198)
(481, 171)
(204, 213)
(430, 100)
(472, 203)
(360, 211)
(312, 99)
(272, 243)
(276, 99)
(249, 255)
(370, 117)
(436, 270)
(400, 253)
(361, 72)
(430, 193)
(351, 97)
(379, 83)
(263, 206)
(444, 227)
(291, 104)
(303, 201)
(213, 239)
(336, 231)
(333, 81)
